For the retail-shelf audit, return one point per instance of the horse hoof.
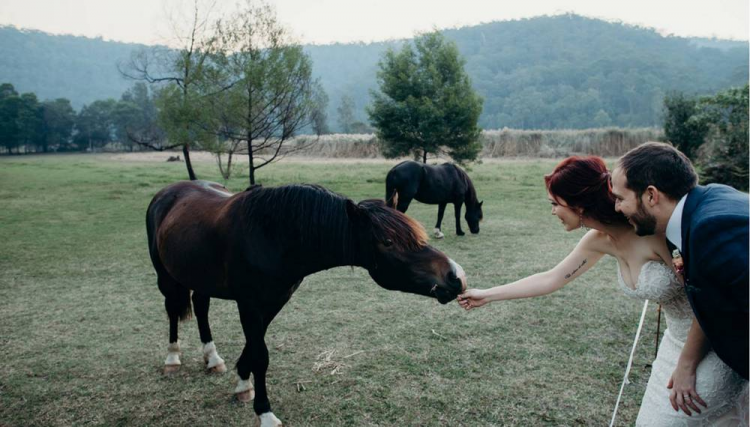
(218, 369)
(438, 234)
(171, 369)
(246, 396)
(268, 419)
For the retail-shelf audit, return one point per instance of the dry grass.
(608, 142)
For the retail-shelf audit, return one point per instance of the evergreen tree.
(426, 104)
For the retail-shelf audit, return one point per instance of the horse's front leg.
(457, 209)
(254, 359)
(214, 362)
(441, 211)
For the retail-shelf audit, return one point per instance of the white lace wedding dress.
(716, 383)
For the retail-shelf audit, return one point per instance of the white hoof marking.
(439, 234)
(244, 390)
(173, 355)
(243, 385)
(213, 361)
(268, 419)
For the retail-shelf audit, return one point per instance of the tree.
(10, 105)
(95, 125)
(136, 119)
(181, 72)
(426, 103)
(59, 118)
(346, 114)
(30, 122)
(683, 126)
(261, 86)
(724, 156)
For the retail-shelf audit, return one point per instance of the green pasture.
(83, 330)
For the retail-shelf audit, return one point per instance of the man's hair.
(660, 165)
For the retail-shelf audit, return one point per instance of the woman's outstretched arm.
(586, 253)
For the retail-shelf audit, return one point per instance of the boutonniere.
(677, 263)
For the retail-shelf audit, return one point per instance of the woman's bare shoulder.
(598, 241)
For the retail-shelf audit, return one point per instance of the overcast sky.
(328, 21)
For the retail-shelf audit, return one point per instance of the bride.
(689, 384)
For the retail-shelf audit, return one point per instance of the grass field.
(84, 332)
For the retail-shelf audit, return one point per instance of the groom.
(656, 188)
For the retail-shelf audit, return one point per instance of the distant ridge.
(548, 72)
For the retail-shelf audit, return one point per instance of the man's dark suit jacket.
(715, 253)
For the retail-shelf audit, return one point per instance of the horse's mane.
(390, 224)
(318, 218)
(305, 213)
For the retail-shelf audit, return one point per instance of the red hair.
(584, 182)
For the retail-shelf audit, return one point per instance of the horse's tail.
(391, 198)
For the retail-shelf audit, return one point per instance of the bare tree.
(178, 73)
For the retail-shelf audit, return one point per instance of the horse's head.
(473, 216)
(396, 254)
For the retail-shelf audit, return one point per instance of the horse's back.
(441, 184)
(186, 224)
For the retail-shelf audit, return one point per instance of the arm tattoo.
(569, 275)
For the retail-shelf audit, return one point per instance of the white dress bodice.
(658, 283)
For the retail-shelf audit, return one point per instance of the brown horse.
(255, 248)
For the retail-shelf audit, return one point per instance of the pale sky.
(328, 21)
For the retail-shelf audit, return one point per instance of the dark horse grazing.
(255, 248)
(434, 185)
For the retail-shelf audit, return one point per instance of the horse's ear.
(353, 211)
(480, 203)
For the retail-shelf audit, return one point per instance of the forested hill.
(80, 69)
(564, 71)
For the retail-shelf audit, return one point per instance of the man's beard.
(644, 222)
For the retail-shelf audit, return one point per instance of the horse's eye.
(388, 243)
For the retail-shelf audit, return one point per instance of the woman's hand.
(473, 298)
(682, 384)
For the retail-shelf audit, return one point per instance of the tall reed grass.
(606, 142)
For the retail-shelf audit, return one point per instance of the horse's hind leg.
(214, 362)
(177, 303)
(441, 211)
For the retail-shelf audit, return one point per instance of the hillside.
(555, 72)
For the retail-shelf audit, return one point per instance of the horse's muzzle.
(458, 273)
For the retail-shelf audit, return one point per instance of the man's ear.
(652, 195)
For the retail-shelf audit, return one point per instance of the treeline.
(28, 125)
